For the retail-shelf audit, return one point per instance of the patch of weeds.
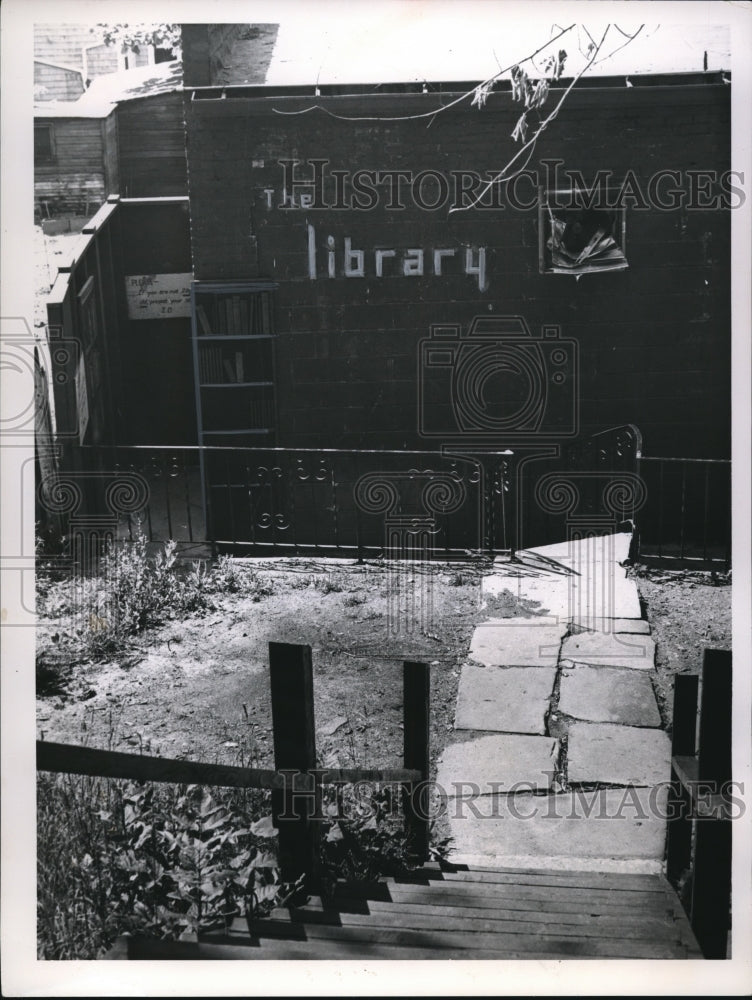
(163, 860)
(353, 600)
(229, 578)
(330, 583)
(98, 615)
(257, 586)
(508, 605)
(458, 579)
(225, 575)
(333, 583)
(364, 836)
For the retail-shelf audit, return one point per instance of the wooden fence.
(296, 781)
(699, 827)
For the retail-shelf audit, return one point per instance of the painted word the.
(349, 262)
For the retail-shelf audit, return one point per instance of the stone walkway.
(564, 764)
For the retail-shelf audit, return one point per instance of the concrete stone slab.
(609, 694)
(497, 764)
(619, 823)
(545, 594)
(504, 699)
(614, 546)
(598, 649)
(634, 626)
(517, 642)
(618, 755)
(601, 590)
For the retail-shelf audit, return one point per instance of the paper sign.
(158, 296)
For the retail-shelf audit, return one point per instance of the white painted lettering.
(437, 255)
(311, 252)
(380, 254)
(413, 263)
(479, 269)
(356, 270)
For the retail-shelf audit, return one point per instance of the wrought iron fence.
(301, 501)
(687, 518)
(288, 501)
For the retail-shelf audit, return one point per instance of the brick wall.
(654, 340)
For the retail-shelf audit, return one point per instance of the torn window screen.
(581, 241)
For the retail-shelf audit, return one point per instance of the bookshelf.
(233, 357)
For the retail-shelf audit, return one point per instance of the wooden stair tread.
(471, 941)
(426, 916)
(462, 913)
(438, 920)
(570, 876)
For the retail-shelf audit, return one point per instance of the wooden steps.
(443, 912)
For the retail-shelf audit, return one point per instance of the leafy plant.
(364, 835)
(151, 859)
(134, 591)
(130, 37)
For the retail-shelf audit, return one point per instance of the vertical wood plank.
(711, 883)
(684, 726)
(683, 739)
(711, 886)
(715, 717)
(417, 720)
(293, 808)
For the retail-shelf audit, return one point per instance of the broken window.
(578, 238)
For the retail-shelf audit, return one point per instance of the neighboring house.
(123, 136)
(67, 57)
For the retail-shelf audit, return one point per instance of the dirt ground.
(688, 612)
(199, 688)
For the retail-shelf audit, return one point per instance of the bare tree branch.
(630, 38)
(500, 177)
(428, 114)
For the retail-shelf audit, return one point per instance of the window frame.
(545, 265)
(52, 157)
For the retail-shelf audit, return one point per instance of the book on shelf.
(239, 366)
(265, 315)
(229, 370)
(210, 365)
(203, 320)
(261, 413)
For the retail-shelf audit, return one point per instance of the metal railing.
(349, 501)
(327, 501)
(687, 517)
